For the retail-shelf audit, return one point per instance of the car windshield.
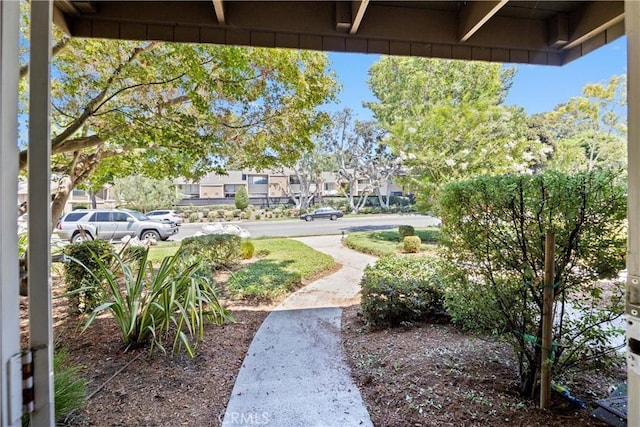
(139, 215)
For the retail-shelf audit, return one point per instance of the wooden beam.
(60, 20)
(219, 8)
(343, 17)
(357, 11)
(558, 30)
(632, 24)
(594, 18)
(474, 15)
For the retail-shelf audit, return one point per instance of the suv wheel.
(150, 234)
(309, 218)
(333, 217)
(79, 237)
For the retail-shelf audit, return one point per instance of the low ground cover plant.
(70, 387)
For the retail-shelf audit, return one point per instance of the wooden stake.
(547, 320)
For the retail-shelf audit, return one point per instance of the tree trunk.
(381, 200)
(94, 203)
(529, 376)
(65, 187)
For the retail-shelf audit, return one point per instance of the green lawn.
(387, 242)
(284, 264)
(163, 249)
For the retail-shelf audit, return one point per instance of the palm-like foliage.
(170, 303)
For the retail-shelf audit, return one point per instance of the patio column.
(10, 365)
(632, 24)
(39, 203)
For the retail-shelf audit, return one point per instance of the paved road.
(297, 228)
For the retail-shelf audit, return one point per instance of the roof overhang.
(534, 32)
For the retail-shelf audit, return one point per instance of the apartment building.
(263, 187)
(104, 198)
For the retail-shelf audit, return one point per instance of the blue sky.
(536, 88)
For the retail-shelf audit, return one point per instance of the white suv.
(112, 224)
(165, 215)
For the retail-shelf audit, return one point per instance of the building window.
(244, 176)
(189, 190)
(258, 180)
(294, 180)
(231, 189)
(79, 193)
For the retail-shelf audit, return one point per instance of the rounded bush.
(241, 198)
(406, 230)
(401, 289)
(411, 244)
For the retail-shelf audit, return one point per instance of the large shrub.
(241, 198)
(400, 289)
(216, 250)
(85, 290)
(494, 232)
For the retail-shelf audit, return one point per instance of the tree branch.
(93, 105)
(24, 70)
(65, 146)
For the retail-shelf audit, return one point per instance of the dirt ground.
(426, 375)
(434, 375)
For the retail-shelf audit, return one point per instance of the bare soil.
(432, 374)
(426, 375)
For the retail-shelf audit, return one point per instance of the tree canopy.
(447, 121)
(168, 109)
(144, 194)
(589, 131)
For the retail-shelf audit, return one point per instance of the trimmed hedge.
(216, 250)
(86, 293)
(399, 290)
(406, 230)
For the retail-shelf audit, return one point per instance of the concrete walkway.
(295, 373)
